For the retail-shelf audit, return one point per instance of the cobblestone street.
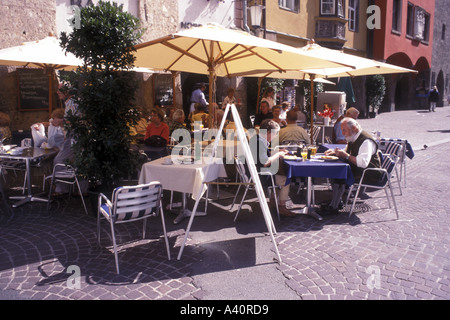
(371, 255)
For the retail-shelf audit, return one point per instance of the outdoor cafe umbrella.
(360, 67)
(220, 52)
(46, 54)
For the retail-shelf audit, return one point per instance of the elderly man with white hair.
(360, 153)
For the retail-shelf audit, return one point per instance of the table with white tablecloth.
(182, 176)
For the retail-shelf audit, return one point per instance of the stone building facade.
(440, 64)
(22, 21)
(30, 20)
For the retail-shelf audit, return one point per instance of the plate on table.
(329, 158)
(293, 158)
(15, 152)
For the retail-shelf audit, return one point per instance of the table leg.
(309, 209)
(29, 197)
(185, 213)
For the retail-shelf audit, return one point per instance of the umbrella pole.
(311, 80)
(174, 99)
(50, 91)
(210, 98)
(259, 92)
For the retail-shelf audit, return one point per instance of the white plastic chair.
(129, 204)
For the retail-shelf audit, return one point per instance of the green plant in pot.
(375, 90)
(103, 89)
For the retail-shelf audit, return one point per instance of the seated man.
(292, 132)
(360, 153)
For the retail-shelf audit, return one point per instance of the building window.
(410, 20)
(340, 8)
(291, 5)
(443, 33)
(332, 8)
(397, 16)
(421, 24)
(327, 7)
(353, 15)
(418, 23)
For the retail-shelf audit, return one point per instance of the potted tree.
(103, 89)
(375, 90)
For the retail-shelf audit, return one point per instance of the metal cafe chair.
(247, 182)
(387, 168)
(396, 151)
(63, 173)
(129, 204)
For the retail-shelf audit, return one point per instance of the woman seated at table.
(55, 131)
(276, 111)
(157, 126)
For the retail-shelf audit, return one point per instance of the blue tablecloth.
(317, 169)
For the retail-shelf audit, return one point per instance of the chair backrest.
(63, 171)
(388, 163)
(136, 202)
(395, 149)
(315, 133)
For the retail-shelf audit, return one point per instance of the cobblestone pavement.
(54, 254)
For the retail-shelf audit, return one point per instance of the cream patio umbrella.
(360, 67)
(220, 52)
(45, 54)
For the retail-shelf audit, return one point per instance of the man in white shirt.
(360, 153)
(198, 96)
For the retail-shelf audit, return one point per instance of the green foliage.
(375, 90)
(305, 89)
(104, 91)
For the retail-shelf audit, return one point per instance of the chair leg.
(235, 196)
(393, 200)
(242, 201)
(81, 195)
(354, 201)
(164, 230)
(116, 256)
(275, 197)
(50, 193)
(144, 228)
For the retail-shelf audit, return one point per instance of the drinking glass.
(304, 153)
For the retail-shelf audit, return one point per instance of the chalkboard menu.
(163, 89)
(33, 89)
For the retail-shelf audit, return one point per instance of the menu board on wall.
(163, 89)
(33, 89)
